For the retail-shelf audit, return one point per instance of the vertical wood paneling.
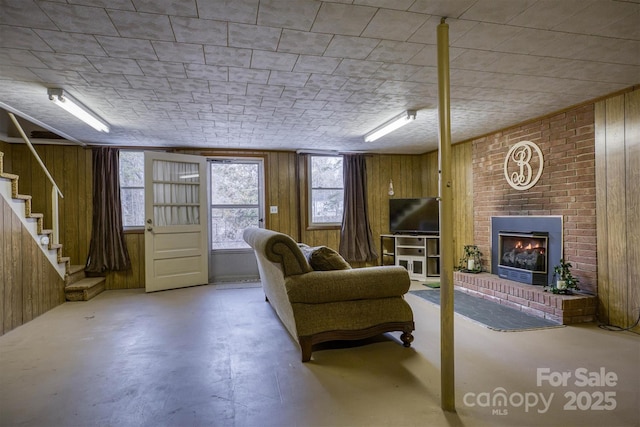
(632, 155)
(30, 284)
(617, 151)
(71, 168)
(5, 271)
(601, 209)
(616, 208)
(134, 277)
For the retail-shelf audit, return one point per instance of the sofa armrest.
(318, 287)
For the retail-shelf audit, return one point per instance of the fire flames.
(529, 247)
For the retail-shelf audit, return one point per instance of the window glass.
(326, 190)
(132, 188)
(236, 194)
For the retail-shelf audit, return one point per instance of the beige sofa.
(319, 306)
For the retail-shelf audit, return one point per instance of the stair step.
(36, 215)
(22, 197)
(75, 273)
(8, 175)
(85, 289)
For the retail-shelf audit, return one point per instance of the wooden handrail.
(55, 191)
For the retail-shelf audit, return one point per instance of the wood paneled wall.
(70, 166)
(618, 208)
(29, 284)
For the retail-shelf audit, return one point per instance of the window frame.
(131, 228)
(260, 161)
(311, 225)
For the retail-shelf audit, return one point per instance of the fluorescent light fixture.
(189, 176)
(73, 106)
(391, 125)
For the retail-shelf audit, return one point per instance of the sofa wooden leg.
(306, 347)
(407, 339)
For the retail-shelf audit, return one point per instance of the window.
(236, 200)
(326, 190)
(132, 188)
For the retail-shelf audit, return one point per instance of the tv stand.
(419, 254)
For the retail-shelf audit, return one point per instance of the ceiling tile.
(323, 81)
(547, 14)
(229, 56)
(356, 68)
(207, 72)
(428, 32)
(273, 60)
(303, 42)
(116, 65)
(264, 90)
(351, 47)
(26, 13)
(142, 25)
(253, 36)
(343, 19)
(82, 44)
(179, 52)
(242, 11)
(167, 7)
(20, 58)
(63, 61)
(396, 71)
(120, 47)
(284, 78)
(316, 64)
(79, 19)
(162, 69)
(202, 31)
(392, 51)
(394, 25)
(497, 11)
(148, 82)
(591, 18)
(21, 38)
(442, 8)
(291, 14)
(386, 4)
(485, 36)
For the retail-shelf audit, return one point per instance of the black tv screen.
(414, 216)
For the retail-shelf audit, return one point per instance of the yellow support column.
(447, 374)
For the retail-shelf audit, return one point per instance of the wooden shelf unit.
(419, 254)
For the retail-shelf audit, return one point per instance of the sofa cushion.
(323, 258)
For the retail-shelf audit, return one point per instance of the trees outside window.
(236, 201)
(131, 165)
(326, 192)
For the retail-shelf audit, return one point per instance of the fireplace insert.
(523, 256)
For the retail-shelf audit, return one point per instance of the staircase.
(77, 286)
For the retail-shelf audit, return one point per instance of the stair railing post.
(54, 215)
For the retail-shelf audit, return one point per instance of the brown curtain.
(107, 251)
(356, 241)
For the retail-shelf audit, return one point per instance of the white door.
(175, 221)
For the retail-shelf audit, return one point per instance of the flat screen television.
(414, 216)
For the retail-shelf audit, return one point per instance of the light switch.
(273, 209)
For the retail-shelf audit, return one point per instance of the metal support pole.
(447, 374)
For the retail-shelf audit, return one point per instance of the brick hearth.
(564, 309)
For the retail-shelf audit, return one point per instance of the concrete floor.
(218, 356)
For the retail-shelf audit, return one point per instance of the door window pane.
(236, 195)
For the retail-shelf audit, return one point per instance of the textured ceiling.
(302, 74)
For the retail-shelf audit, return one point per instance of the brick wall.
(566, 187)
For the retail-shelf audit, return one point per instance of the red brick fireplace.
(566, 187)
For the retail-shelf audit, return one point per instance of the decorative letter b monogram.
(517, 165)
